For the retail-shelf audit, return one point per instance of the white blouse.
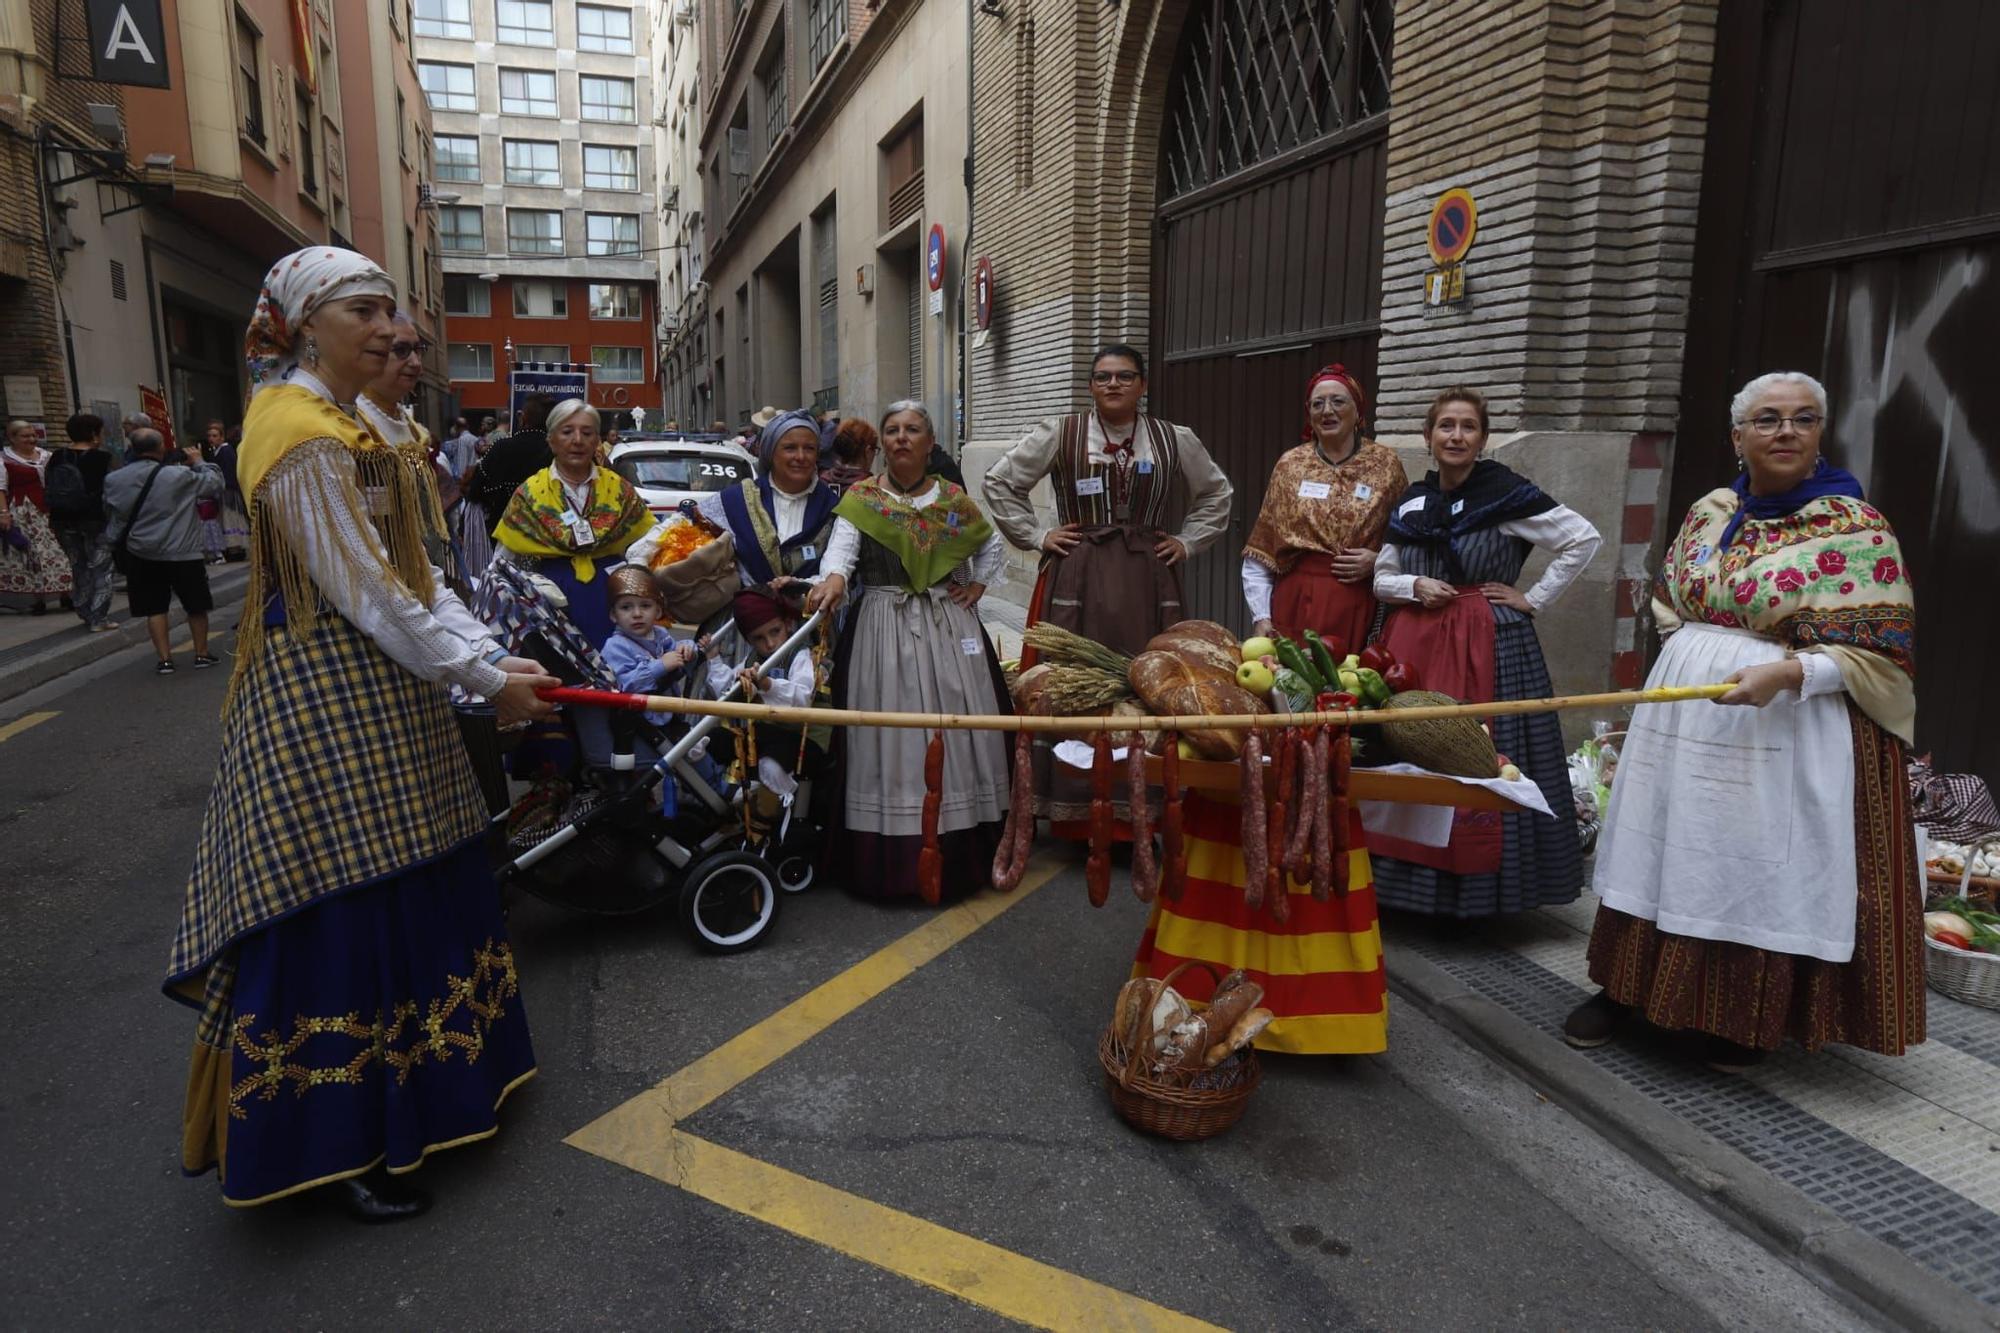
(1569, 534)
(843, 550)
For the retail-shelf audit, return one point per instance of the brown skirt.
(1758, 997)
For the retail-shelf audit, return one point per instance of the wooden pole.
(847, 717)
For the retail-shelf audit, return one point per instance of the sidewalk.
(36, 649)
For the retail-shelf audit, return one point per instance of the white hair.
(1739, 406)
(909, 405)
(566, 409)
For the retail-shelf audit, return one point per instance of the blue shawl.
(757, 546)
(1826, 479)
(1491, 494)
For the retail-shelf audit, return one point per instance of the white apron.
(1734, 823)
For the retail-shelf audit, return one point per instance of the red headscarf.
(1340, 375)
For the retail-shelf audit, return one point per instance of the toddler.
(641, 653)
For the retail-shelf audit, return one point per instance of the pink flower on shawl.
(1745, 592)
(1774, 601)
(1848, 586)
(1831, 563)
(1789, 580)
(1887, 570)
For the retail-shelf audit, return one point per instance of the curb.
(40, 668)
(1879, 1278)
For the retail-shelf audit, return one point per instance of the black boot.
(377, 1196)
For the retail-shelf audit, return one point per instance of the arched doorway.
(1267, 247)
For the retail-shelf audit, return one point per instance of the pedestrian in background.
(852, 456)
(513, 460)
(235, 514)
(74, 485)
(153, 517)
(32, 564)
(213, 543)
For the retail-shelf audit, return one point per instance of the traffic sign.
(982, 293)
(934, 257)
(1454, 222)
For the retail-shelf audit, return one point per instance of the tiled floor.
(1907, 1149)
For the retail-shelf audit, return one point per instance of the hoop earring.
(311, 357)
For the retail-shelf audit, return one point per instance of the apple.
(1510, 773)
(1186, 751)
(1260, 646)
(1255, 677)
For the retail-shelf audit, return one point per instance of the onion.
(1951, 921)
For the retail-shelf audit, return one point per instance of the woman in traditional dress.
(851, 455)
(1456, 545)
(33, 567)
(382, 407)
(1111, 570)
(1757, 871)
(342, 934)
(780, 518)
(919, 556)
(1310, 562)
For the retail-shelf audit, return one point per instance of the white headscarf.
(297, 285)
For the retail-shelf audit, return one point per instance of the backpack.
(63, 490)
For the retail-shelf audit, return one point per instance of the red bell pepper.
(1400, 676)
(1377, 658)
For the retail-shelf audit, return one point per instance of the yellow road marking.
(23, 723)
(1007, 1283)
(642, 1135)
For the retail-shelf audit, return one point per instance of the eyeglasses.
(1330, 404)
(1769, 423)
(408, 349)
(1114, 377)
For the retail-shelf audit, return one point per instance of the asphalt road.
(1424, 1189)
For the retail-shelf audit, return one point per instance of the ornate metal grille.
(1258, 78)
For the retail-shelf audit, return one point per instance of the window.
(457, 157)
(609, 168)
(608, 99)
(541, 352)
(777, 110)
(541, 298)
(617, 300)
(527, 92)
(534, 231)
(826, 24)
(602, 29)
(447, 87)
(620, 365)
(471, 361)
(461, 227)
(444, 18)
(467, 296)
(526, 22)
(249, 88)
(531, 162)
(308, 119)
(611, 233)
(402, 132)
(410, 267)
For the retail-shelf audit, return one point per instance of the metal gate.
(1267, 254)
(1857, 238)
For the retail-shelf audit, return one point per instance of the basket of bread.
(1178, 1072)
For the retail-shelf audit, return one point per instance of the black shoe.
(165, 668)
(379, 1197)
(1726, 1057)
(1596, 1021)
(203, 660)
(39, 609)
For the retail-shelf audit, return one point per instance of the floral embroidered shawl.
(931, 542)
(532, 523)
(1290, 525)
(1828, 578)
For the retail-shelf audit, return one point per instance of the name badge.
(1458, 507)
(970, 647)
(1410, 507)
(579, 528)
(1363, 491)
(1090, 485)
(1145, 466)
(809, 553)
(1314, 490)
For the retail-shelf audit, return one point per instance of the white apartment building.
(677, 120)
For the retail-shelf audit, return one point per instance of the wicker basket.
(1168, 1104)
(1963, 974)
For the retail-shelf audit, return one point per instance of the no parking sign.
(1453, 224)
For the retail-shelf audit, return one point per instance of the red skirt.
(1311, 598)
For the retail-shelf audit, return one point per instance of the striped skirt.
(1321, 969)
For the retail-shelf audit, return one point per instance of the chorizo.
(930, 860)
(1010, 859)
(1343, 752)
(1173, 844)
(1298, 842)
(1097, 869)
(1275, 885)
(1145, 870)
(1256, 854)
(1322, 873)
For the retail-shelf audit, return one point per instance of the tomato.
(1953, 939)
(1399, 676)
(1377, 658)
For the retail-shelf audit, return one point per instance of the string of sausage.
(1298, 840)
(1343, 753)
(1322, 824)
(1276, 888)
(930, 861)
(1256, 852)
(1173, 847)
(1010, 860)
(1097, 869)
(1145, 870)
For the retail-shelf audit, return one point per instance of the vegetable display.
(1958, 923)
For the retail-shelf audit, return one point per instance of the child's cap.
(633, 581)
(757, 607)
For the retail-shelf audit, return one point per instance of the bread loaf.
(1196, 650)
(1169, 686)
(1028, 687)
(1213, 633)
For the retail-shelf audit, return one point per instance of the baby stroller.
(657, 823)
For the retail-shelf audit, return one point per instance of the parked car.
(667, 469)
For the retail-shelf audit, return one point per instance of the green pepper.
(1373, 688)
(1297, 662)
(1322, 657)
(1350, 681)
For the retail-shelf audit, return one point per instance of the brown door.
(1267, 253)
(1855, 235)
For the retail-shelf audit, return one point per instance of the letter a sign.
(128, 43)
